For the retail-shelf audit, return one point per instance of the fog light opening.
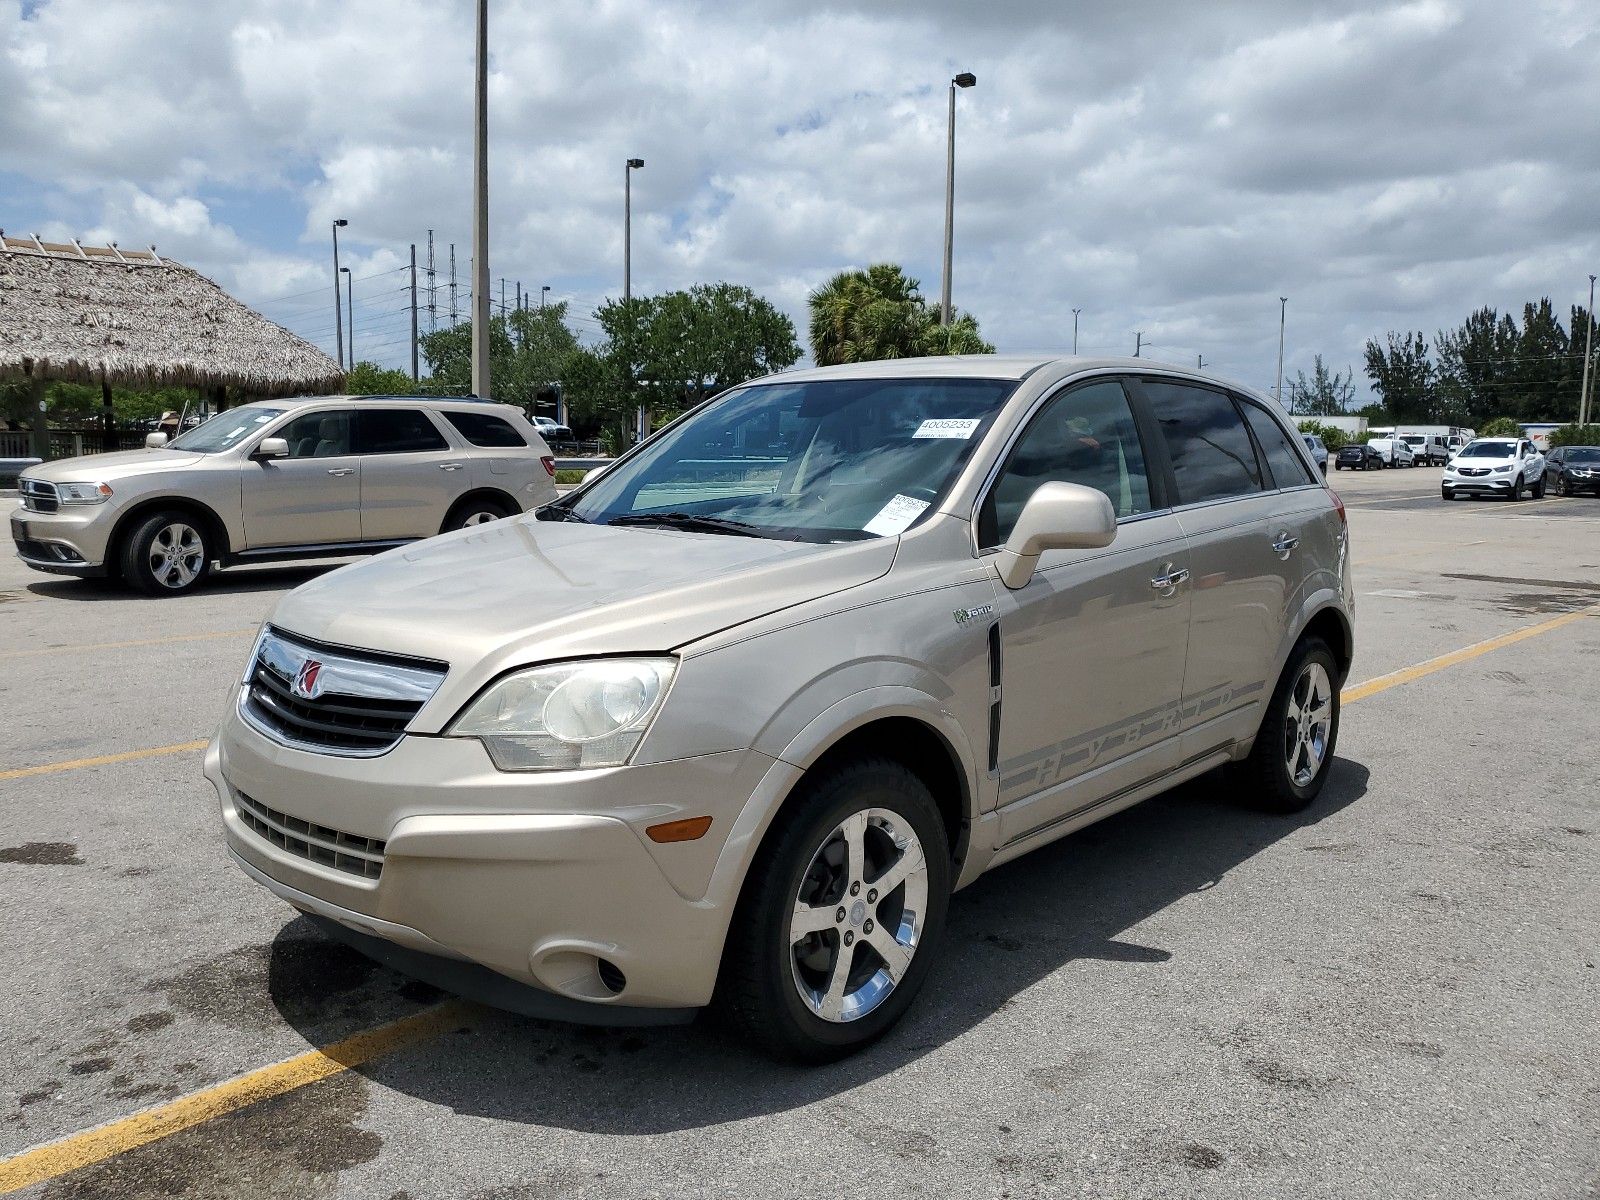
(611, 975)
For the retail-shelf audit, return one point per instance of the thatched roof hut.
(90, 314)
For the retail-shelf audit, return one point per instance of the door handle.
(1170, 578)
(449, 466)
(341, 470)
(1285, 544)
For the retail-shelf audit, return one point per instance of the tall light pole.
(1588, 341)
(338, 316)
(627, 227)
(480, 210)
(1075, 313)
(1283, 311)
(350, 302)
(544, 290)
(964, 80)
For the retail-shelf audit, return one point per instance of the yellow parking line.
(1395, 678)
(160, 641)
(84, 1149)
(101, 760)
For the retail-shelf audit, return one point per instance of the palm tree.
(880, 313)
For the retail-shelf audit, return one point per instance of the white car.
(1495, 467)
(1394, 450)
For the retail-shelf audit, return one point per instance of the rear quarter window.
(485, 429)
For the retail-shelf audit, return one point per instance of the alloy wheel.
(1307, 723)
(176, 555)
(482, 517)
(858, 915)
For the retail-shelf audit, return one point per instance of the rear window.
(396, 431)
(485, 429)
(1212, 455)
(1288, 468)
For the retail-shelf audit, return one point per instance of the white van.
(1428, 448)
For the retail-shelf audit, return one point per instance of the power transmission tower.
(433, 289)
(454, 311)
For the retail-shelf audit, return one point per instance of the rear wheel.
(1538, 489)
(166, 555)
(476, 511)
(1293, 751)
(841, 915)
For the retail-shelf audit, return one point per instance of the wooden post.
(41, 431)
(108, 419)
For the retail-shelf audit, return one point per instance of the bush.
(1576, 435)
(1332, 436)
(1501, 427)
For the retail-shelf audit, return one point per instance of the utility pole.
(627, 227)
(1588, 342)
(338, 315)
(480, 210)
(455, 312)
(1075, 313)
(964, 80)
(433, 288)
(350, 298)
(1200, 362)
(414, 375)
(1138, 343)
(1283, 310)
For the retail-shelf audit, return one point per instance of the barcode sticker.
(948, 427)
(894, 516)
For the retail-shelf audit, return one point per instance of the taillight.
(1338, 507)
(550, 465)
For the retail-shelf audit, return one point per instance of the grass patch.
(568, 477)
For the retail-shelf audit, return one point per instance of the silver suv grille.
(330, 701)
(38, 496)
(318, 843)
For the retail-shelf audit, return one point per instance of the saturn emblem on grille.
(305, 679)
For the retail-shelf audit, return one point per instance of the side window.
(397, 431)
(1212, 457)
(1287, 468)
(1086, 436)
(318, 435)
(485, 429)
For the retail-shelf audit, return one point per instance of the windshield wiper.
(690, 522)
(556, 512)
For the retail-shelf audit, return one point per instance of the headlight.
(568, 716)
(83, 493)
(1501, 470)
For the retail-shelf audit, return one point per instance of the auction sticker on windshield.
(949, 427)
(894, 516)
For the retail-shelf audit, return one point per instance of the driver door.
(313, 497)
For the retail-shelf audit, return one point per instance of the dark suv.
(1574, 469)
(1358, 458)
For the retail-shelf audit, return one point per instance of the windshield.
(1490, 450)
(1583, 454)
(225, 429)
(1413, 440)
(827, 460)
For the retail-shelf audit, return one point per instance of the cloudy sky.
(1166, 167)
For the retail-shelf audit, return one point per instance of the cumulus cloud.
(1168, 168)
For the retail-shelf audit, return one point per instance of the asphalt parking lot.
(1395, 993)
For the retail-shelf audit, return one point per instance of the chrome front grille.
(317, 843)
(332, 701)
(1472, 471)
(38, 496)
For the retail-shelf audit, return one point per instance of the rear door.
(1092, 649)
(410, 474)
(313, 497)
(502, 456)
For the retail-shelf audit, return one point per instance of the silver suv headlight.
(568, 716)
(83, 493)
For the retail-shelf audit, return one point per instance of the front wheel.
(166, 555)
(1293, 751)
(1561, 486)
(841, 914)
(1516, 489)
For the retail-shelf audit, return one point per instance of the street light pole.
(964, 80)
(480, 209)
(1588, 342)
(1075, 313)
(1283, 311)
(350, 301)
(544, 290)
(338, 315)
(632, 165)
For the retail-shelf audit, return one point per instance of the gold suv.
(302, 478)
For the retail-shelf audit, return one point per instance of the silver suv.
(312, 477)
(730, 722)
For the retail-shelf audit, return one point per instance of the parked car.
(1393, 450)
(311, 477)
(1319, 452)
(1358, 457)
(1427, 449)
(1573, 470)
(736, 735)
(552, 431)
(1495, 467)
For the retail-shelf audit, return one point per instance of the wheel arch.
(501, 497)
(214, 528)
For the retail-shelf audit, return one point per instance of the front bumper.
(1481, 485)
(545, 879)
(69, 542)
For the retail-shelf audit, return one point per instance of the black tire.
(1266, 772)
(166, 554)
(1538, 489)
(1516, 489)
(1447, 494)
(757, 991)
(474, 511)
(1561, 486)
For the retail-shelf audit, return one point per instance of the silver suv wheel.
(175, 555)
(1307, 722)
(859, 915)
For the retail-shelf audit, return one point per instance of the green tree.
(1575, 435)
(1499, 427)
(713, 336)
(1332, 436)
(1323, 395)
(369, 379)
(1546, 386)
(880, 313)
(1402, 373)
(1477, 362)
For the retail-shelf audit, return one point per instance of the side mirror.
(271, 448)
(154, 441)
(1058, 516)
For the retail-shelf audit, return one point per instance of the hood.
(98, 468)
(1478, 460)
(519, 591)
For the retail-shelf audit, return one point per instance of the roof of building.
(92, 314)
